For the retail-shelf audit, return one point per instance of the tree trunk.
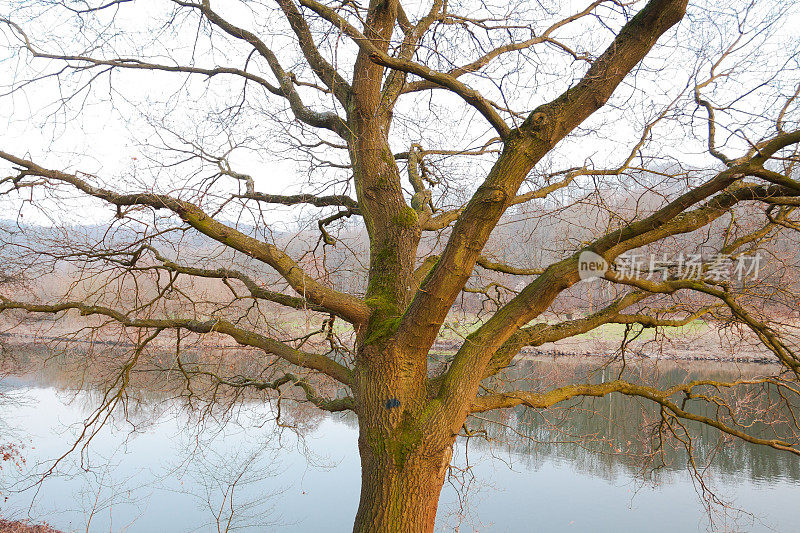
(400, 484)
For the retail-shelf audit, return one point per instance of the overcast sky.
(101, 130)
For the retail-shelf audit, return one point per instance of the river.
(163, 467)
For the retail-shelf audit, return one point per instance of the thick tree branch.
(351, 308)
(286, 80)
(548, 399)
(321, 67)
(381, 57)
(255, 290)
(485, 59)
(535, 138)
(428, 222)
(396, 80)
(244, 337)
(507, 269)
(328, 120)
(487, 340)
(768, 336)
(310, 393)
(341, 200)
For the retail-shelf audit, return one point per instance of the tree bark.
(400, 484)
(404, 451)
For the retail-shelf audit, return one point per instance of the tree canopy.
(191, 169)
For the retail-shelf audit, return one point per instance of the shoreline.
(702, 348)
(24, 526)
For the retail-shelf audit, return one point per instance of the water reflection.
(615, 432)
(576, 468)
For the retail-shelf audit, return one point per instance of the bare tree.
(619, 127)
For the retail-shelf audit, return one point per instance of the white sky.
(102, 137)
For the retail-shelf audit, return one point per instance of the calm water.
(179, 474)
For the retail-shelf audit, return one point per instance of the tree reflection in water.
(611, 437)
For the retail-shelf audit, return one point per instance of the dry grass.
(24, 527)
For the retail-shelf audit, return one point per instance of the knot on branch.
(491, 195)
(537, 124)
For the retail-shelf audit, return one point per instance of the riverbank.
(24, 526)
(697, 341)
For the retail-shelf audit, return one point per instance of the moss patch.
(407, 439)
(381, 329)
(406, 218)
(381, 296)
